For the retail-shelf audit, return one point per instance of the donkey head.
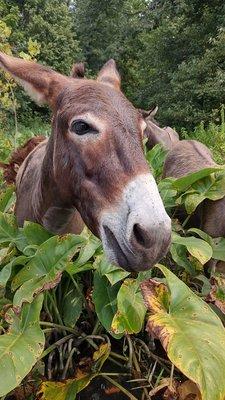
(98, 163)
(166, 136)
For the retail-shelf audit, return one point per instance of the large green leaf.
(21, 346)
(72, 304)
(45, 268)
(104, 297)
(191, 333)
(211, 187)
(217, 244)
(112, 272)
(131, 309)
(35, 233)
(198, 248)
(182, 184)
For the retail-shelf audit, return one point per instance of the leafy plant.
(83, 298)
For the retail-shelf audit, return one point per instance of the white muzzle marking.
(137, 232)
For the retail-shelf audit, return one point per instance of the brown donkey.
(93, 162)
(191, 156)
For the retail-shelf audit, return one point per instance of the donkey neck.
(55, 212)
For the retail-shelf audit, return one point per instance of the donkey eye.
(81, 128)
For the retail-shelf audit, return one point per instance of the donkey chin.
(136, 233)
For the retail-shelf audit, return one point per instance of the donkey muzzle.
(136, 233)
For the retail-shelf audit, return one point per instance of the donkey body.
(92, 166)
(189, 156)
(185, 157)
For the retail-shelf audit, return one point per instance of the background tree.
(169, 52)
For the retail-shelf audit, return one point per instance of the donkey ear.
(78, 70)
(149, 115)
(109, 75)
(41, 83)
(153, 111)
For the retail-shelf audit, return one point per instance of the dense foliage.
(169, 52)
(62, 290)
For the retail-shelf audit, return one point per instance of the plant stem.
(54, 345)
(171, 376)
(15, 117)
(55, 309)
(113, 354)
(186, 220)
(121, 388)
(62, 327)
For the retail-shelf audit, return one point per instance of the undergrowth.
(73, 324)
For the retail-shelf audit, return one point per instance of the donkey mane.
(17, 157)
(78, 70)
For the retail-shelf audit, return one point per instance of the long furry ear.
(78, 70)
(153, 111)
(150, 113)
(41, 83)
(109, 75)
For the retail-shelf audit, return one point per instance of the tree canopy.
(169, 52)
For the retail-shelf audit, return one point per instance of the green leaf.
(88, 249)
(6, 271)
(219, 249)
(180, 257)
(131, 309)
(167, 192)
(217, 244)
(112, 272)
(10, 233)
(72, 304)
(198, 248)
(3, 254)
(211, 187)
(104, 298)
(191, 333)
(8, 228)
(21, 346)
(6, 198)
(182, 184)
(45, 268)
(35, 233)
(156, 157)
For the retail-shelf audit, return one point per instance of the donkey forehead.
(97, 98)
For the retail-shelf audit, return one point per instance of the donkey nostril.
(142, 236)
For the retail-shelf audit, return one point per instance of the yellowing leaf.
(188, 390)
(191, 333)
(68, 390)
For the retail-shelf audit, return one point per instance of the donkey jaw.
(136, 233)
